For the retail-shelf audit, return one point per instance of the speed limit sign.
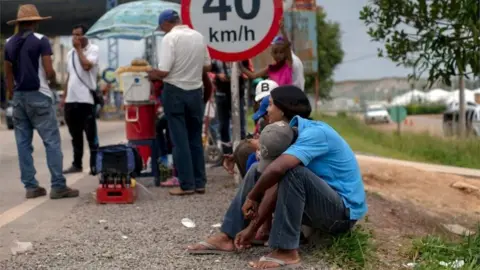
(234, 29)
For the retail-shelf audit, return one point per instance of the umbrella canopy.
(133, 21)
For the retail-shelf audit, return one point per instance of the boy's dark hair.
(292, 101)
(81, 26)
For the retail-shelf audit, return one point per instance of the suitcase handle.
(130, 120)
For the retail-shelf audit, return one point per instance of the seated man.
(316, 182)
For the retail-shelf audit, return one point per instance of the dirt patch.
(406, 203)
(430, 191)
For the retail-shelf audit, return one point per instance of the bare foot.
(220, 241)
(288, 257)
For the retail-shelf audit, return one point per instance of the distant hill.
(390, 86)
(365, 89)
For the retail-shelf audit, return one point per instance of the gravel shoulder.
(145, 235)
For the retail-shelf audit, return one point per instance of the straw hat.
(27, 13)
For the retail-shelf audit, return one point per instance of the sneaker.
(63, 193)
(35, 192)
(73, 169)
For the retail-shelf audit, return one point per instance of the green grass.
(429, 251)
(407, 146)
(353, 250)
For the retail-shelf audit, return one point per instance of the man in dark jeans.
(80, 109)
(28, 69)
(223, 99)
(184, 59)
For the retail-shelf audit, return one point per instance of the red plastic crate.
(116, 194)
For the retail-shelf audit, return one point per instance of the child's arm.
(253, 75)
(288, 45)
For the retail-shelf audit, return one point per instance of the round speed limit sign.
(234, 29)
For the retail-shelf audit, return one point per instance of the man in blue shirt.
(315, 182)
(28, 69)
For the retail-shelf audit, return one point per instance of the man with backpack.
(28, 70)
(81, 98)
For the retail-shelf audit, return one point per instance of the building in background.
(59, 58)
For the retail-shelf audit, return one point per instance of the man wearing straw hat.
(28, 71)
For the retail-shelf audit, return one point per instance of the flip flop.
(209, 250)
(171, 182)
(281, 264)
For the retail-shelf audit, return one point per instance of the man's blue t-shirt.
(25, 51)
(322, 150)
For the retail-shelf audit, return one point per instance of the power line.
(361, 58)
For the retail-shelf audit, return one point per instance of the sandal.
(281, 264)
(171, 182)
(209, 249)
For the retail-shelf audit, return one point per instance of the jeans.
(34, 110)
(184, 111)
(303, 199)
(224, 113)
(80, 118)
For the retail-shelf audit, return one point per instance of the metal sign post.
(236, 129)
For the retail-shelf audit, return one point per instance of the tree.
(440, 37)
(329, 52)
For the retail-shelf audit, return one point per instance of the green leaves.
(437, 37)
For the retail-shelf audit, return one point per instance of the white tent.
(437, 95)
(409, 97)
(455, 96)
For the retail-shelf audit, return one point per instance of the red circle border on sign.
(250, 53)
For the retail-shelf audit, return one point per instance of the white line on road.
(18, 211)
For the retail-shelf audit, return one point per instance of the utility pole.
(112, 43)
(461, 101)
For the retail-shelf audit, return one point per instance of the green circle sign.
(397, 114)
(109, 75)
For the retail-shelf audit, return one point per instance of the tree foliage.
(330, 54)
(438, 37)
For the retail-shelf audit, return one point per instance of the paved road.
(13, 205)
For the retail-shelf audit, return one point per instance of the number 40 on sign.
(234, 29)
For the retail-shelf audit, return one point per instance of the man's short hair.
(81, 26)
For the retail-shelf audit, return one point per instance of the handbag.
(96, 99)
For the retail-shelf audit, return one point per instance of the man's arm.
(48, 67)
(166, 59)
(46, 52)
(266, 208)
(84, 62)
(207, 62)
(9, 80)
(272, 175)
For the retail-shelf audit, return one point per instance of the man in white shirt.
(182, 61)
(298, 76)
(80, 98)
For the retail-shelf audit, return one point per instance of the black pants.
(163, 136)
(80, 117)
(224, 114)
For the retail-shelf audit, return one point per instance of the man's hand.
(77, 44)
(153, 75)
(250, 209)
(243, 239)
(222, 77)
(229, 164)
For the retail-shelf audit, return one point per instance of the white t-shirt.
(183, 54)
(298, 77)
(77, 91)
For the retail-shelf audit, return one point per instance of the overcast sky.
(360, 61)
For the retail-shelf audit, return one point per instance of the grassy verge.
(408, 146)
(434, 252)
(353, 250)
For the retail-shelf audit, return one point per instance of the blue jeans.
(184, 111)
(303, 198)
(34, 110)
